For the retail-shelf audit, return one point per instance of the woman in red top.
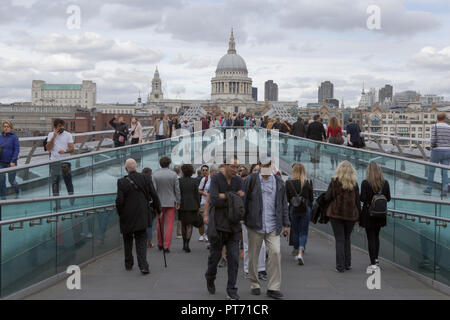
(334, 136)
(334, 130)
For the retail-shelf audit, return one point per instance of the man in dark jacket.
(239, 122)
(121, 133)
(353, 134)
(266, 217)
(298, 130)
(221, 231)
(316, 131)
(134, 193)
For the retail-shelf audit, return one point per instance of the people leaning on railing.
(354, 137)
(334, 136)
(136, 131)
(440, 153)
(60, 145)
(9, 153)
(121, 131)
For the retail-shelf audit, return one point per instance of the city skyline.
(120, 55)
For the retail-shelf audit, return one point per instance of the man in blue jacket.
(9, 155)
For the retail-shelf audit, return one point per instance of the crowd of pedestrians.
(235, 207)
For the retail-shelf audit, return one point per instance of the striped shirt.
(440, 136)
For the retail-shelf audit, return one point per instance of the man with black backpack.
(134, 193)
(266, 217)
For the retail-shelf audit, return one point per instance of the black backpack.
(298, 201)
(378, 206)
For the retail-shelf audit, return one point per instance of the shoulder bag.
(149, 208)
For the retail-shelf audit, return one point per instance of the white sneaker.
(202, 238)
(300, 259)
(205, 238)
(372, 267)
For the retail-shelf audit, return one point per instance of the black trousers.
(140, 238)
(373, 242)
(342, 230)
(118, 144)
(231, 241)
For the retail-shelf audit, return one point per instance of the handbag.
(362, 142)
(198, 222)
(297, 201)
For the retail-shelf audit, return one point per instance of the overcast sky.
(296, 43)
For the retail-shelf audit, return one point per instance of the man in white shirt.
(60, 145)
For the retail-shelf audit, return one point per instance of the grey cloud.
(127, 17)
(346, 15)
(203, 22)
(432, 58)
(93, 46)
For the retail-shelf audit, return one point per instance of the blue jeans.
(150, 233)
(441, 157)
(11, 179)
(158, 137)
(300, 228)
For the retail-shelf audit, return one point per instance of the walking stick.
(162, 240)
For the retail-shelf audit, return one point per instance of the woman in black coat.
(190, 204)
(372, 185)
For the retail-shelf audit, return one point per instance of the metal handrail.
(36, 142)
(81, 134)
(13, 202)
(417, 215)
(20, 221)
(442, 202)
(28, 166)
(395, 137)
(422, 162)
(422, 218)
(55, 198)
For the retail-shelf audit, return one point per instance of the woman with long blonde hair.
(343, 210)
(373, 184)
(301, 188)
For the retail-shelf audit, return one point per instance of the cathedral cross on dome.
(232, 46)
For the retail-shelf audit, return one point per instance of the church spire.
(232, 44)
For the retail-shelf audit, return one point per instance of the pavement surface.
(183, 279)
